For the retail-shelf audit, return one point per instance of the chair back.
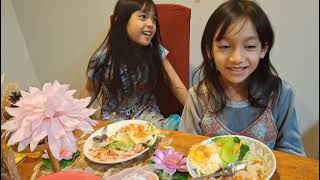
(174, 23)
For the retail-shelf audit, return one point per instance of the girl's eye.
(143, 16)
(154, 18)
(251, 47)
(223, 46)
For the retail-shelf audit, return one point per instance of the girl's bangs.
(229, 23)
(222, 30)
(148, 6)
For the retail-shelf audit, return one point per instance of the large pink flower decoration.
(169, 161)
(51, 112)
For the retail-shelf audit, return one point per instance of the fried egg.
(205, 158)
(137, 133)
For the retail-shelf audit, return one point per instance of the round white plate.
(111, 130)
(257, 148)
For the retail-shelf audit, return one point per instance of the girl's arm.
(175, 83)
(289, 136)
(192, 114)
(89, 89)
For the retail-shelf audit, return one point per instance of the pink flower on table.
(51, 112)
(64, 154)
(169, 161)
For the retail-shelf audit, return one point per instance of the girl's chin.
(144, 43)
(235, 80)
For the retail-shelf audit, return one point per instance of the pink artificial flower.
(169, 161)
(64, 154)
(51, 112)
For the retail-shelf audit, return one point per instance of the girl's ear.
(264, 51)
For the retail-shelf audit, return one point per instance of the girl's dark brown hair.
(264, 81)
(118, 50)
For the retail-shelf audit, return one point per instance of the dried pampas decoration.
(8, 165)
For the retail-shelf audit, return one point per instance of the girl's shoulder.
(285, 89)
(198, 89)
(199, 92)
(163, 51)
(99, 56)
(286, 93)
(285, 85)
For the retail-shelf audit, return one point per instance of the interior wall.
(61, 36)
(15, 59)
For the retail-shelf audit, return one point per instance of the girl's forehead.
(238, 26)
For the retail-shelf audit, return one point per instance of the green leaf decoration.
(149, 161)
(180, 176)
(63, 163)
(176, 176)
(162, 175)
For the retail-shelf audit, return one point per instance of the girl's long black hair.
(118, 50)
(264, 82)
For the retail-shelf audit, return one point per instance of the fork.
(103, 135)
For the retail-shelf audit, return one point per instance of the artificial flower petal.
(169, 161)
(159, 154)
(10, 125)
(23, 144)
(52, 112)
(12, 111)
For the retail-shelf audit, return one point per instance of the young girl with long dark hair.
(131, 64)
(240, 92)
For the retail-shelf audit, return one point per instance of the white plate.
(111, 130)
(258, 149)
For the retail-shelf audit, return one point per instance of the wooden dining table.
(289, 166)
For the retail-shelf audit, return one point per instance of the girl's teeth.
(237, 69)
(147, 33)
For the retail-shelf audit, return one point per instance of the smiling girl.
(131, 64)
(240, 92)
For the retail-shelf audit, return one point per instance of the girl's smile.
(237, 69)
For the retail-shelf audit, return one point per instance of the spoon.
(103, 136)
(229, 170)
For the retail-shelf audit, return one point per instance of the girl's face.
(238, 53)
(142, 27)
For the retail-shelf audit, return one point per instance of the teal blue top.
(237, 116)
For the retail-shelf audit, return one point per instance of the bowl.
(257, 148)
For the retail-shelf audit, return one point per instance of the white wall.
(15, 60)
(61, 36)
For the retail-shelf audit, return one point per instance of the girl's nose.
(149, 22)
(235, 55)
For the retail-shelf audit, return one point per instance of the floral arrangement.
(8, 164)
(67, 158)
(6, 92)
(52, 114)
(170, 164)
